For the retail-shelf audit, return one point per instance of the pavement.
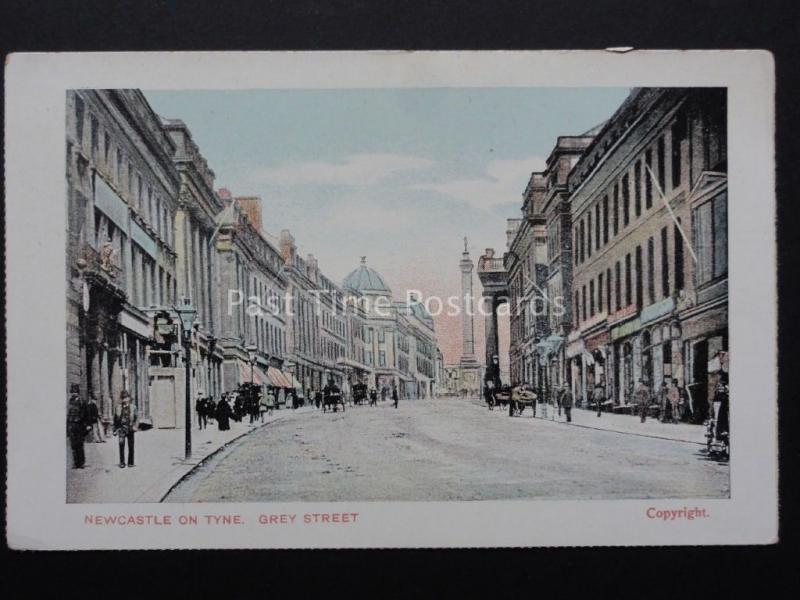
(619, 423)
(160, 463)
(456, 449)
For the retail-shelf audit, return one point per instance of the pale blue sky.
(398, 175)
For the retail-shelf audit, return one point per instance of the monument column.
(469, 366)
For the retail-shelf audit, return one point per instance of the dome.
(364, 279)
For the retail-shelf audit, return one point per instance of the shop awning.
(244, 374)
(278, 378)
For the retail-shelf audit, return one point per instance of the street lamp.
(187, 313)
(252, 349)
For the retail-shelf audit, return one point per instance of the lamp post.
(252, 349)
(187, 313)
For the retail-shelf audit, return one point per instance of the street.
(448, 449)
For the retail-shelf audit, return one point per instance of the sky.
(397, 175)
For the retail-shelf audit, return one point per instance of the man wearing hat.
(126, 421)
(77, 425)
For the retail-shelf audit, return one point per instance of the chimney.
(313, 267)
(288, 247)
(251, 207)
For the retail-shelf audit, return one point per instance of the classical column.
(467, 322)
(492, 343)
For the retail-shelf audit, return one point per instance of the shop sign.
(131, 323)
(596, 341)
(625, 329)
(657, 310)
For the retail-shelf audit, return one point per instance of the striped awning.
(244, 373)
(278, 378)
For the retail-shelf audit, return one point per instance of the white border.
(37, 516)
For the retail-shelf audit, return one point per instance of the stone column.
(491, 328)
(467, 323)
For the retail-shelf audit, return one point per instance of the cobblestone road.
(447, 449)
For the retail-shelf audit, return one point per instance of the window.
(628, 283)
(678, 136)
(576, 243)
(582, 244)
(637, 188)
(119, 167)
(591, 298)
(648, 180)
(597, 226)
(651, 270)
(577, 309)
(639, 299)
(79, 117)
(678, 241)
(95, 136)
(626, 200)
(608, 289)
(381, 336)
(616, 209)
(711, 238)
(618, 286)
(664, 263)
(605, 219)
(106, 147)
(662, 171)
(583, 301)
(600, 293)
(382, 358)
(589, 234)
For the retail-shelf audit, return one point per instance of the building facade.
(122, 195)
(649, 212)
(252, 294)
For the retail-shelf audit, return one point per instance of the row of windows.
(617, 208)
(153, 209)
(269, 338)
(611, 292)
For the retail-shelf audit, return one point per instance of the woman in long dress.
(223, 414)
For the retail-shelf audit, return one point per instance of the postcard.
(390, 299)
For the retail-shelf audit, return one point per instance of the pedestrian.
(642, 397)
(77, 426)
(373, 397)
(93, 418)
(200, 408)
(126, 421)
(211, 409)
(270, 400)
(262, 407)
(395, 396)
(599, 396)
(674, 398)
(223, 413)
(567, 401)
(488, 392)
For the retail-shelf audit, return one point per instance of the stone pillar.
(491, 328)
(467, 323)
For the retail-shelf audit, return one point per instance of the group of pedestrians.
(84, 420)
(671, 402)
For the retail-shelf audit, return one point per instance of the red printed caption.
(124, 520)
(676, 514)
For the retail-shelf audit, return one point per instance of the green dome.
(364, 279)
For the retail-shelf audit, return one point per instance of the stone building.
(122, 191)
(648, 201)
(197, 275)
(253, 286)
(311, 358)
